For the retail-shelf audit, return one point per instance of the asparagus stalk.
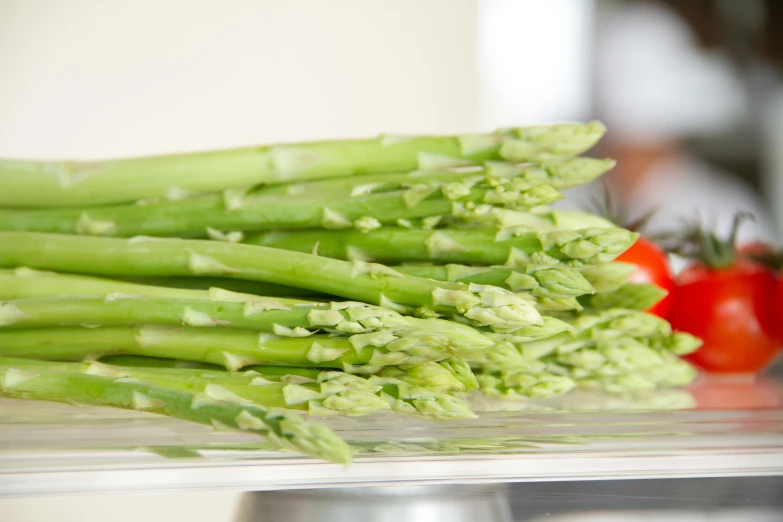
(608, 358)
(327, 393)
(370, 283)
(449, 375)
(560, 175)
(207, 214)
(506, 353)
(633, 296)
(213, 308)
(617, 322)
(233, 285)
(549, 219)
(545, 280)
(523, 384)
(262, 314)
(623, 338)
(145, 361)
(73, 184)
(539, 280)
(232, 349)
(27, 379)
(26, 283)
(602, 278)
(259, 314)
(675, 372)
(606, 277)
(483, 246)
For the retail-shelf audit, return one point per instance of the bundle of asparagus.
(207, 287)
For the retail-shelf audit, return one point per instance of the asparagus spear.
(482, 246)
(619, 365)
(634, 296)
(73, 184)
(606, 277)
(523, 384)
(675, 372)
(213, 308)
(262, 314)
(377, 284)
(327, 393)
(607, 358)
(539, 280)
(615, 331)
(26, 283)
(506, 353)
(27, 379)
(232, 349)
(449, 375)
(560, 175)
(601, 278)
(233, 285)
(200, 215)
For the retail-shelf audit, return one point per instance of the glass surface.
(728, 427)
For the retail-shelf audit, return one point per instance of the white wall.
(92, 78)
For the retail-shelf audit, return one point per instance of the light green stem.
(634, 296)
(539, 280)
(232, 349)
(262, 314)
(523, 384)
(72, 184)
(377, 284)
(209, 214)
(481, 246)
(560, 175)
(26, 379)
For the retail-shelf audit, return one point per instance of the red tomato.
(732, 310)
(778, 304)
(752, 252)
(653, 267)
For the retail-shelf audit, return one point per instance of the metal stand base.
(487, 503)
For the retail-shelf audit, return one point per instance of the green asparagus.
(633, 296)
(233, 349)
(208, 215)
(366, 282)
(262, 314)
(449, 375)
(483, 246)
(560, 175)
(539, 280)
(27, 379)
(72, 184)
(327, 393)
(519, 384)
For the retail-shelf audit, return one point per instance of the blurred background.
(690, 90)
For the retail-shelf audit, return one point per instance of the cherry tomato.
(732, 310)
(778, 304)
(756, 252)
(653, 267)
